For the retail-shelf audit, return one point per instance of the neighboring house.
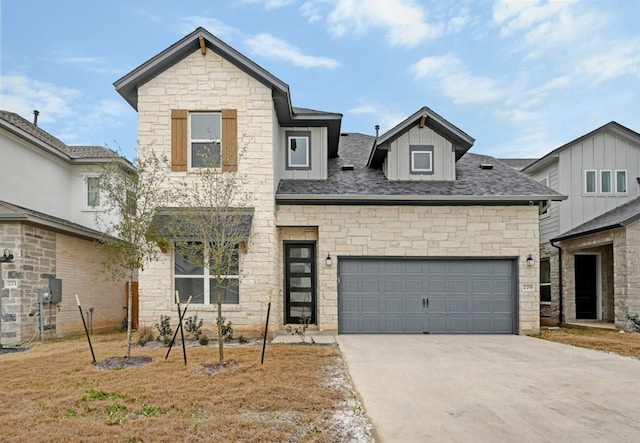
(406, 232)
(48, 199)
(594, 232)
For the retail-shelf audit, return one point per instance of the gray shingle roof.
(616, 218)
(71, 152)
(500, 183)
(15, 213)
(518, 163)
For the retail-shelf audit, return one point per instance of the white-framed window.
(421, 159)
(545, 281)
(200, 283)
(92, 192)
(605, 181)
(298, 150)
(205, 140)
(544, 208)
(590, 186)
(621, 182)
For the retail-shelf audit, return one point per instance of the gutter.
(560, 312)
(340, 199)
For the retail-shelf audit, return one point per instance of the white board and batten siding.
(397, 165)
(318, 144)
(602, 151)
(549, 222)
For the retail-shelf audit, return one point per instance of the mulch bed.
(123, 362)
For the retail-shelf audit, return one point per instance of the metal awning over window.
(183, 224)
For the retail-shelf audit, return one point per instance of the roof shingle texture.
(617, 217)
(354, 149)
(74, 152)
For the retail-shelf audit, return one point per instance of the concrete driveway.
(470, 388)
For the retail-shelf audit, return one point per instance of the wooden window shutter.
(229, 140)
(179, 139)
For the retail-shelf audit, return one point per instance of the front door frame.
(598, 276)
(287, 303)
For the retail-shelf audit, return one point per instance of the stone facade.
(211, 83)
(619, 263)
(419, 231)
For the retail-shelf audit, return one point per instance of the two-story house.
(589, 244)
(403, 232)
(49, 195)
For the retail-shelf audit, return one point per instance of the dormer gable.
(424, 147)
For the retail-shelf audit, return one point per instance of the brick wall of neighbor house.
(438, 231)
(35, 263)
(211, 83)
(79, 266)
(11, 312)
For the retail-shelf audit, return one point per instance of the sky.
(521, 77)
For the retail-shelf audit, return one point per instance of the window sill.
(545, 303)
(214, 307)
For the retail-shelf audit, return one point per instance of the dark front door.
(586, 287)
(300, 282)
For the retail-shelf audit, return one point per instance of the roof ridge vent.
(347, 167)
(486, 166)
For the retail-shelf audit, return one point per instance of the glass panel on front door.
(300, 283)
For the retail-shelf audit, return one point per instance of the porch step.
(589, 324)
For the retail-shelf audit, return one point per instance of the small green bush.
(204, 340)
(193, 326)
(165, 330)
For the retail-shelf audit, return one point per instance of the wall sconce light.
(7, 256)
(329, 261)
(530, 261)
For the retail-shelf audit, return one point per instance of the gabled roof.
(462, 141)
(128, 85)
(362, 184)
(36, 136)
(13, 213)
(614, 127)
(616, 218)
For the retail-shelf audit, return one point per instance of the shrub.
(165, 330)
(227, 330)
(193, 326)
(204, 340)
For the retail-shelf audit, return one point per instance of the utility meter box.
(55, 289)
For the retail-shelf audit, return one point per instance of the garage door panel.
(389, 296)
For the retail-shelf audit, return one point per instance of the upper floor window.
(590, 182)
(621, 181)
(605, 182)
(421, 159)
(298, 150)
(205, 140)
(93, 192)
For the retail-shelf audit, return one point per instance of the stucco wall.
(404, 231)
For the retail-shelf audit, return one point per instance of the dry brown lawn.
(627, 344)
(53, 392)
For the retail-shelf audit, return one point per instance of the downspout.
(560, 313)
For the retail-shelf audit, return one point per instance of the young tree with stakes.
(211, 226)
(130, 194)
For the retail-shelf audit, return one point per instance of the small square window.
(421, 159)
(605, 181)
(621, 181)
(298, 150)
(590, 182)
(205, 139)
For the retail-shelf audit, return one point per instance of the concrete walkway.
(470, 388)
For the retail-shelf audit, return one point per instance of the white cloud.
(311, 10)
(403, 20)
(381, 115)
(448, 74)
(22, 95)
(214, 26)
(95, 64)
(621, 59)
(269, 46)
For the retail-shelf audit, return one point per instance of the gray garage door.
(427, 296)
